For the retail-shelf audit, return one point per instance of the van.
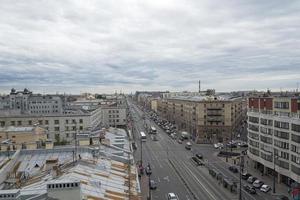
(188, 146)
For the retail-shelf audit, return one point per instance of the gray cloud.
(128, 45)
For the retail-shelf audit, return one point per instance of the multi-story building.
(274, 135)
(61, 119)
(22, 137)
(207, 118)
(25, 102)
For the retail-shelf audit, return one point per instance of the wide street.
(173, 169)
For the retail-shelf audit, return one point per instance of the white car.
(218, 145)
(265, 188)
(172, 196)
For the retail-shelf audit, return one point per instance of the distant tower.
(199, 86)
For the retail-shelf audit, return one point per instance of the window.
(2, 123)
(67, 121)
(266, 139)
(56, 121)
(296, 128)
(253, 119)
(283, 125)
(29, 122)
(281, 134)
(81, 128)
(56, 128)
(73, 128)
(296, 138)
(12, 123)
(40, 122)
(80, 121)
(281, 105)
(46, 122)
(73, 121)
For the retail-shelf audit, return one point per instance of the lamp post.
(241, 169)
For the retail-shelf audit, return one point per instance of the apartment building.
(22, 137)
(274, 135)
(62, 126)
(207, 118)
(114, 115)
(25, 102)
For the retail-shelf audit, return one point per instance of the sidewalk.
(267, 179)
(144, 182)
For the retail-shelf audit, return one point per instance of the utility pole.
(141, 152)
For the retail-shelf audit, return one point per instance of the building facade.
(25, 102)
(22, 137)
(274, 136)
(207, 118)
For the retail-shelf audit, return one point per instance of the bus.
(143, 137)
(153, 130)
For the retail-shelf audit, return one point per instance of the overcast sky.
(107, 45)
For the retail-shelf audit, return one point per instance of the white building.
(274, 136)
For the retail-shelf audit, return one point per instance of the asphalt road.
(172, 167)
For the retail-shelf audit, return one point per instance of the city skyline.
(100, 46)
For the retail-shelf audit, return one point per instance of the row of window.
(281, 105)
(40, 122)
(281, 144)
(283, 125)
(281, 134)
(113, 116)
(267, 140)
(113, 111)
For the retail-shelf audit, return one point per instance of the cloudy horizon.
(78, 46)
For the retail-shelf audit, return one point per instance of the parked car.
(179, 141)
(218, 145)
(265, 188)
(249, 189)
(199, 155)
(148, 170)
(233, 169)
(257, 183)
(188, 146)
(282, 197)
(251, 179)
(172, 196)
(246, 175)
(153, 185)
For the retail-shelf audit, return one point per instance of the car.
(257, 183)
(148, 170)
(188, 146)
(246, 175)
(218, 145)
(153, 185)
(172, 196)
(233, 169)
(251, 179)
(179, 141)
(282, 197)
(199, 155)
(249, 189)
(265, 188)
(197, 161)
(173, 136)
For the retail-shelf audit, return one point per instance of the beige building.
(207, 118)
(22, 137)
